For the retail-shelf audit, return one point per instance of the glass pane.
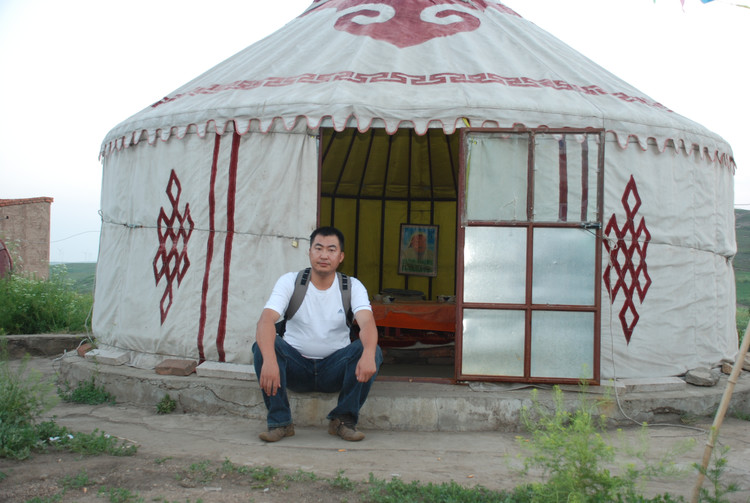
(564, 266)
(493, 342)
(565, 169)
(495, 265)
(562, 344)
(497, 175)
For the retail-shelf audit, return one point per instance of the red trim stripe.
(231, 199)
(209, 247)
(563, 208)
(584, 178)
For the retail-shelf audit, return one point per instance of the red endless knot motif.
(171, 261)
(627, 260)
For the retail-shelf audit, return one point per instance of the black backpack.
(300, 287)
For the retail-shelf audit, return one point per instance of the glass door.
(529, 255)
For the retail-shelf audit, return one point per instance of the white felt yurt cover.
(204, 189)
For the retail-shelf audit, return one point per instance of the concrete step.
(405, 406)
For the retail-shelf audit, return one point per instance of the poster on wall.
(418, 250)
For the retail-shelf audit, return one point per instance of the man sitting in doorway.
(316, 353)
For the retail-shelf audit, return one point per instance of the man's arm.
(368, 334)
(265, 337)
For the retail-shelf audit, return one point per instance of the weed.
(86, 392)
(166, 405)
(741, 415)
(397, 491)
(302, 476)
(228, 467)
(714, 474)
(76, 482)
(201, 473)
(93, 443)
(341, 482)
(24, 396)
(570, 450)
(119, 495)
(263, 475)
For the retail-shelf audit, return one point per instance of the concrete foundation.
(410, 406)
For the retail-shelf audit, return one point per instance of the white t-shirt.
(318, 328)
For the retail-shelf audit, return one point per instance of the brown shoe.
(346, 430)
(276, 434)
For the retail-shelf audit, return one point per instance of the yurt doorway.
(529, 248)
(395, 198)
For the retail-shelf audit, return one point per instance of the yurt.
(516, 212)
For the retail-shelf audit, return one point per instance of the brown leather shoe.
(346, 430)
(276, 434)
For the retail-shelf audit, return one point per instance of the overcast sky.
(71, 71)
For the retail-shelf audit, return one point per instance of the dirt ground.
(145, 478)
(310, 467)
(193, 457)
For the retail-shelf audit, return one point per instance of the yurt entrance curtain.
(530, 255)
(372, 182)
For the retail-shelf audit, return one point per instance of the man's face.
(325, 254)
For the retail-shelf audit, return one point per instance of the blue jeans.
(335, 373)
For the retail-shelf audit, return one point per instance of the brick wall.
(24, 227)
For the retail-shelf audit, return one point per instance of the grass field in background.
(81, 274)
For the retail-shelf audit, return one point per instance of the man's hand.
(265, 336)
(366, 368)
(270, 378)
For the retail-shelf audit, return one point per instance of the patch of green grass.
(342, 482)
(86, 392)
(94, 443)
(397, 491)
(119, 495)
(166, 405)
(24, 396)
(78, 481)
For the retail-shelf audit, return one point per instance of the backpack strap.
(300, 287)
(346, 297)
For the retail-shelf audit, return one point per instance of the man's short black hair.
(328, 231)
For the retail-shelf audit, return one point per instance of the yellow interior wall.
(371, 224)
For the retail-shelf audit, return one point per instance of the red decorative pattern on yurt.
(405, 24)
(171, 261)
(627, 258)
(410, 80)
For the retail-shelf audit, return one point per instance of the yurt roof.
(412, 63)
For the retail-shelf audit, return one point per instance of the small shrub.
(166, 405)
(24, 396)
(86, 392)
(719, 490)
(570, 449)
(342, 482)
